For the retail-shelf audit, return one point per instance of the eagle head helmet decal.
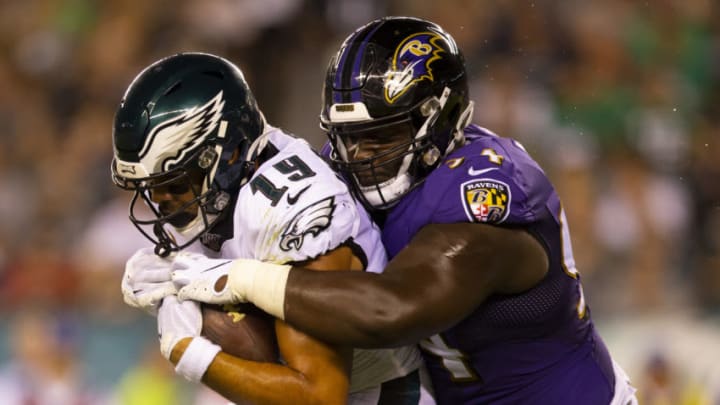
(190, 130)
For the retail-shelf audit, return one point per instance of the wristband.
(197, 358)
(261, 283)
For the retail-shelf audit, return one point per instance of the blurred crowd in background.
(618, 100)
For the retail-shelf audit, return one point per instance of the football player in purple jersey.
(481, 273)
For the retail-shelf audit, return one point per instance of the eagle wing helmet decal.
(411, 63)
(188, 130)
(313, 219)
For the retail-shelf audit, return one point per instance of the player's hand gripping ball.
(241, 330)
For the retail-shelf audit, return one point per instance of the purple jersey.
(536, 347)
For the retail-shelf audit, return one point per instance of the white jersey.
(295, 208)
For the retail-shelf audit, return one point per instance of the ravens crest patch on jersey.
(312, 220)
(486, 200)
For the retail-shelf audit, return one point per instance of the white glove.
(176, 321)
(201, 279)
(197, 275)
(147, 280)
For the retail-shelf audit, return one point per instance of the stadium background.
(618, 100)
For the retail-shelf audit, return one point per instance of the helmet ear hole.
(455, 113)
(234, 157)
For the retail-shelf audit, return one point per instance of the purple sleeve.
(492, 181)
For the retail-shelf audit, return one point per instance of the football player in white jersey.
(222, 185)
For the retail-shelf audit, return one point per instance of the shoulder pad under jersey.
(490, 179)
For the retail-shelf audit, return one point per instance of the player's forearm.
(355, 309)
(436, 281)
(249, 382)
(263, 383)
(433, 283)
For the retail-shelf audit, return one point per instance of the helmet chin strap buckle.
(430, 106)
(221, 201)
(431, 156)
(162, 250)
(207, 158)
(164, 246)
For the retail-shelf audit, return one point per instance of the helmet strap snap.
(431, 156)
(221, 201)
(207, 158)
(429, 107)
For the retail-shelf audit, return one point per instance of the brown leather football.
(242, 330)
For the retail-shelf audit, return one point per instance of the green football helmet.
(186, 122)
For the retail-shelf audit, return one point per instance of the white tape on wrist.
(197, 358)
(261, 283)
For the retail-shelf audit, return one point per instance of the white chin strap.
(195, 227)
(391, 191)
(388, 192)
(189, 231)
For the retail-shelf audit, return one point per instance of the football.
(241, 330)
